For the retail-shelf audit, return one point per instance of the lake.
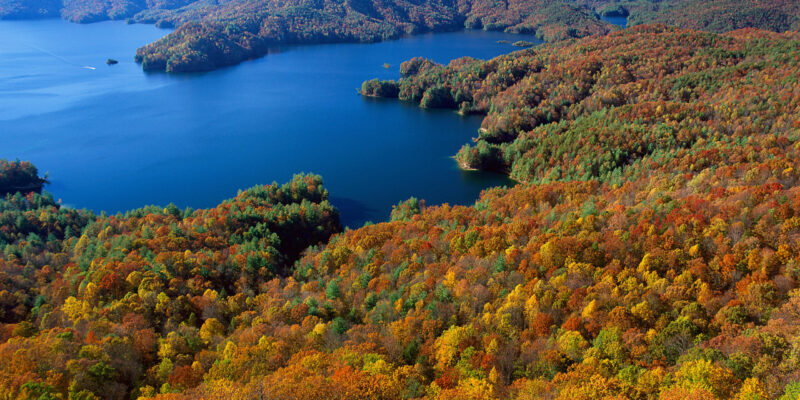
(114, 138)
(619, 21)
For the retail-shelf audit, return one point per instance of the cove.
(619, 21)
(114, 138)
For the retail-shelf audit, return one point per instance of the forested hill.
(213, 34)
(238, 31)
(656, 257)
(718, 15)
(604, 107)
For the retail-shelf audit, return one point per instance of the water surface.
(619, 21)
(115, 138)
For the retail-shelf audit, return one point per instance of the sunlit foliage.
(654, 253)
(606, 108)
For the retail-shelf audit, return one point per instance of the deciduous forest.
(650, 251)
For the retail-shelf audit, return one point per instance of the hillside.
(230, 34)
(235, 32)
(211, 35)
(719, 15)
(655, 253)
(600, 108)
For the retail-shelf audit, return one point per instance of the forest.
(719, 15)
(233, 34)
(211, 35)
(593, 108)
(16, 176)
(651, 251)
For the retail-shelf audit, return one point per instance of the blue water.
(619, 21)
(114, 138)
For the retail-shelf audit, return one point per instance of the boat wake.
(62, 59)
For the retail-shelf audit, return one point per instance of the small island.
(523, 43)
(111, 61)
(378, 88)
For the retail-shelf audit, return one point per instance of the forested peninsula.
(597, 107)
(213, 34)
(19, 176)
(651, 251)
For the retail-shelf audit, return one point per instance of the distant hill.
(214, 34)
(720, 15)
(224, 35)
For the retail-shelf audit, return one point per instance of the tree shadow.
(353, 212)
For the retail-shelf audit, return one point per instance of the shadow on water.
(381, 100)
(353, 213)
(487, 178)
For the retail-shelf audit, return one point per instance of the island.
(523, 43)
